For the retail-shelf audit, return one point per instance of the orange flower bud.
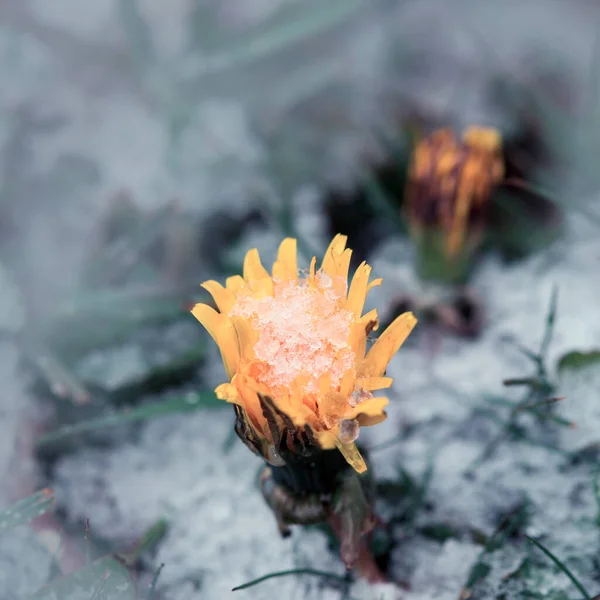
(450, 181)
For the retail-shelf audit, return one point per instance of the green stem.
(561, 566)
(313, 572)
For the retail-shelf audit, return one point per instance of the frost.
(302, 331)
(91, 132)
(25, 564)
(359, 396)
(444, 572)
(87, 21)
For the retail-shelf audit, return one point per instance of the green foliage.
(433, 262)
(561, 566)
(189, 402)
(313, 572)
(407, 495)
(523, 223)
(92, 321)
(378, 194)
(149, 539)
(292, 25)
(104, 579)
(119, 258)
(575, 360)
(596, 485)
(440, 532)
(536, 399)
(141, 45)
(101, 319)
(26, 510)
(510, 524)
(180, 369)
(53, 374)
(152, 590)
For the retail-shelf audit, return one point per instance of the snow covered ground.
(80, 121)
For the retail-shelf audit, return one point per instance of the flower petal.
(246, 337)
(223, 297)
(251, 404)
(358, 289)
(370, 420)
(253, 268)
(285, 267)
(335, 250)
(357, 339)
(347, 383)
(324, 383)
(374, 383)
(228, 345)
(262, 288)
(222, 331)
(374, 283)
(370, 320)
(229, 393)
(306, 403)
(235, 283)
(278, 272)
(386, 346)
(368, 412)
(332, 408)
(311, 271)
(293, 406)
(352, 456)
(327, 441)
(342, 266)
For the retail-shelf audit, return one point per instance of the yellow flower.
(450, 181)
(294, 350)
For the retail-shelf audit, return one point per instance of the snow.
(90, 125)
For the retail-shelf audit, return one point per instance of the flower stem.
(316, 474)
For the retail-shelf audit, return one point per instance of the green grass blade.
(550, 321)
(152, 590)
(94, 321)
(120, 257)
(178, 371)
(182, 404)
(59, 380)
(104, 578)
(151, 537)
(274, 38)
(304, 84)
(532, 356)
(596, 485)
(379, 200)
(133, 300)
(313, 572)
(139, 35)
(420, 493)
(576, 360)
(26, 510)
(594, 107)
(561, 566)
(480, 569)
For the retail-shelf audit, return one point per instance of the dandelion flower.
(450, 182)
(294, 349)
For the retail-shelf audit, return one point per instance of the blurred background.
(145, 146)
